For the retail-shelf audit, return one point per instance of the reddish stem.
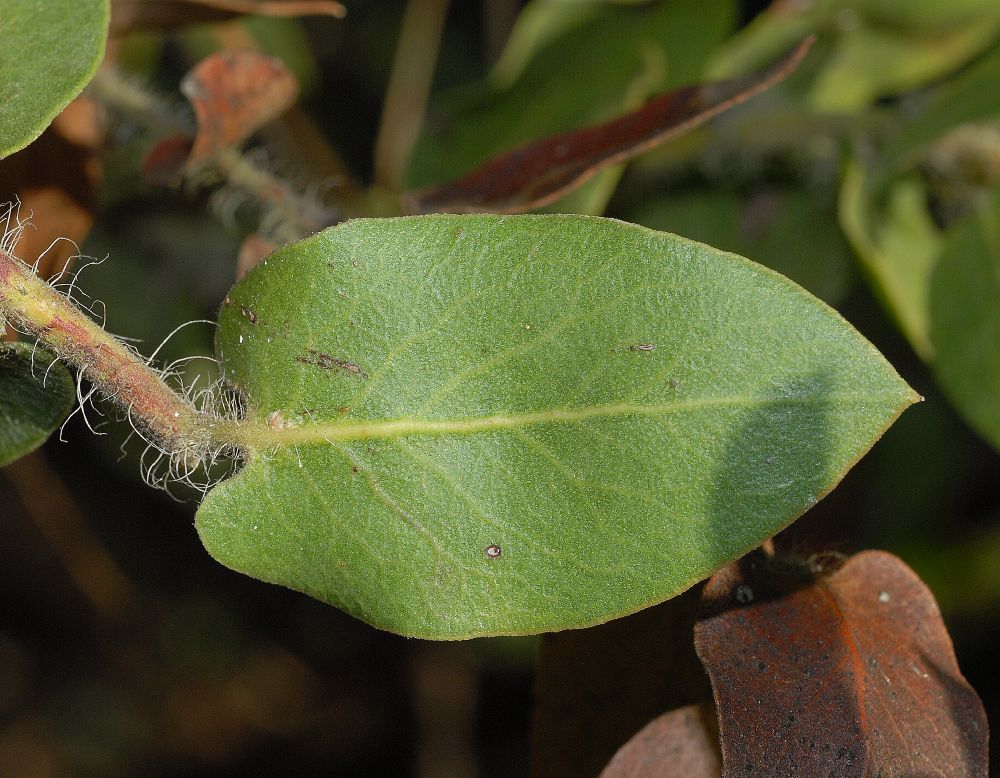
(30, 304)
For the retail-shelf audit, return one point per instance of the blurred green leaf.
(969, 97)
(963, 571)
(30, 407)
(867, 64)
(898, 249)
(940, 285)
(965, 318)
(885, 202)
(607, 62)
(50, 50)
(474, 425)
(538, 24)
(785, 228)
(923, 15)
(872, 48)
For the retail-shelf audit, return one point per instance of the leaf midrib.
(261, 434)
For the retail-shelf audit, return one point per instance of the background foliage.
(869, 177)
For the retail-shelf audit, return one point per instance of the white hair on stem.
(173, 332)
(195, 467)
(190, 462)
(81, 405)
(12, 234)
(70, 290)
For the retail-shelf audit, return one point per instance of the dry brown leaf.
(847, 674)
(683, 743)
(128, 15)
(538, 173)
(56, 179)
(235, 93)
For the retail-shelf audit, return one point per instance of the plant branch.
(288, 215)
(171, 420)
(409, 86)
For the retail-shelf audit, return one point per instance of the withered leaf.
(277, 7)
(540, 172)
(848, 674)
(235, 93)
(127, 15)
(683, 743)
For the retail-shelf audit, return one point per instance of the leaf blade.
(489, 382)
(50, 51)
(965, 318)
(30, 409)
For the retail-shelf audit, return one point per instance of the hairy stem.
(294, 215)
(287, 213)
(130, 98)
(31, 305)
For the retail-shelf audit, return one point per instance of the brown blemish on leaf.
(328, 362)
(277, 421)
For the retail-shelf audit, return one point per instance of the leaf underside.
(481, 425)
(50, 49)
(30, 408)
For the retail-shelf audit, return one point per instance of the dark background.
(124, 649)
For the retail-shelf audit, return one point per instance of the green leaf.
(869, 63)
(49, 50)
(968, 97)
(898, 248)
(965, 315)
(30, 407)
(941, 286)
(868, 48)
(481, 425)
